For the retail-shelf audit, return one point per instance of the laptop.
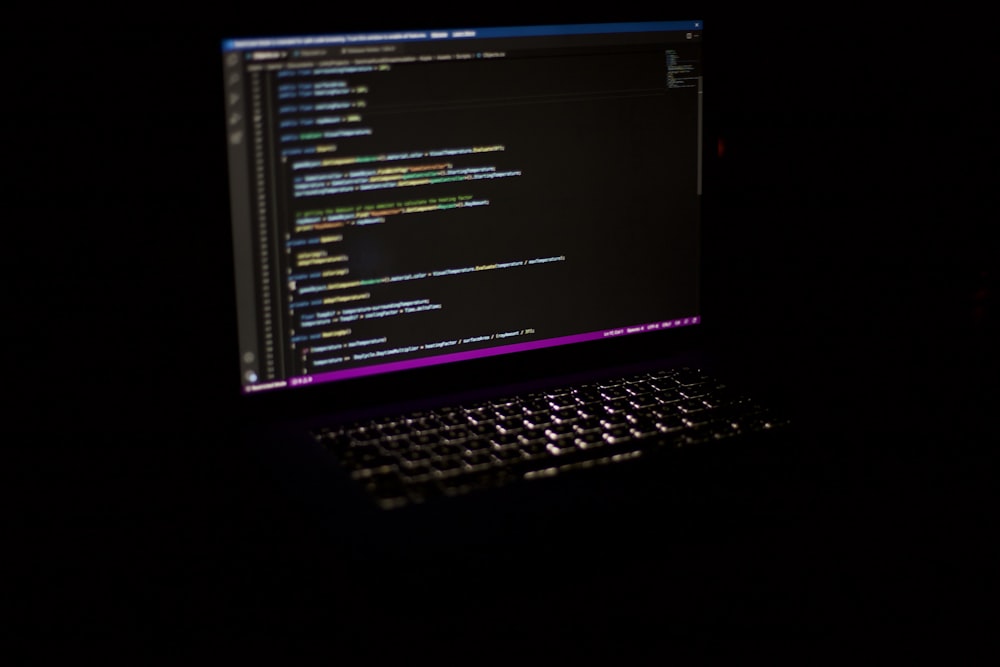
(447, 242)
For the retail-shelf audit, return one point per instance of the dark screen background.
(606, 159)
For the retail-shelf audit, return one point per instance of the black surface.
(851, 212)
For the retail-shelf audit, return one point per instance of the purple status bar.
(350, 373)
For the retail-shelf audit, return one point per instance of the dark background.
(850, 215)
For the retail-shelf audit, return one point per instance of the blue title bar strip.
(253, 43)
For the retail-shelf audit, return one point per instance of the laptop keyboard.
(421, 456)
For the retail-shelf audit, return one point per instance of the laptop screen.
(414, 198)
